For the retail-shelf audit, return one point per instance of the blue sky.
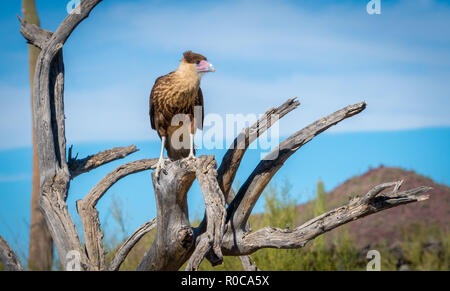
(327, 53)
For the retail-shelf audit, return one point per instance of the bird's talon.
(159, 167)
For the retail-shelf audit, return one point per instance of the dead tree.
(224, 230)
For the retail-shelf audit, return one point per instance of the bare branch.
(8, 258)
(128, 245)
(78, 167)
(34, 34)
(89, 214)
(246, 198)
(49, 124)
(359, 207)
(247, 264)
(246, 261)
(233, 157)
(215, 216)
(380, 188)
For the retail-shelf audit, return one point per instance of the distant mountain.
(387, 225)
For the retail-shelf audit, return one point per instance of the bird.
(174, 101)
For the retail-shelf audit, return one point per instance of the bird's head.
(199, 62)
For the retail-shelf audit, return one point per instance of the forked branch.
(357, 208)
(128, 245)
(247, 196)
(78, 167)
(211, 240)
(233, 157)
(34, 34)
(89, 215)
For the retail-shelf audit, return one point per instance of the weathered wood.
(78, 167)
(357, 208)
(246, 261)
(211, 239)
(89, 215)
(48, 115)
(175, 240)
(8, 258)
(174, 236)
(34, 34)
(233, 157)
(128, 245)
(249, 193)
(54, 173)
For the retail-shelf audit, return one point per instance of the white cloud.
(263, 31)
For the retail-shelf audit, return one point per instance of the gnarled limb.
(174, 236)
(48, 115)
(233, 157)
(357, 208)
(89, 215)
(8, 258)
(34, 34)
(211, 239)
(249, 193)
(78, 167)
(246, 261)
(175, 240)
(128, 245)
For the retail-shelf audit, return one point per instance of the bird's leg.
(191, 149)
(160, 163)
(191, 138)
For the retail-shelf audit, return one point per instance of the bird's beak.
(205, 67)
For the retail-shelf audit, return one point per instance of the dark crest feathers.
(193, 58)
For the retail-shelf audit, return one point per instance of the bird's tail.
(177, 150)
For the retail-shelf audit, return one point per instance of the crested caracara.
(174, 96)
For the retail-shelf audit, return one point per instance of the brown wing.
(156, 99)
(199, 102)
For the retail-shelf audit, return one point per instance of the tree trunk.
(40, 251)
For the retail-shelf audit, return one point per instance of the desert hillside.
(388, 225)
